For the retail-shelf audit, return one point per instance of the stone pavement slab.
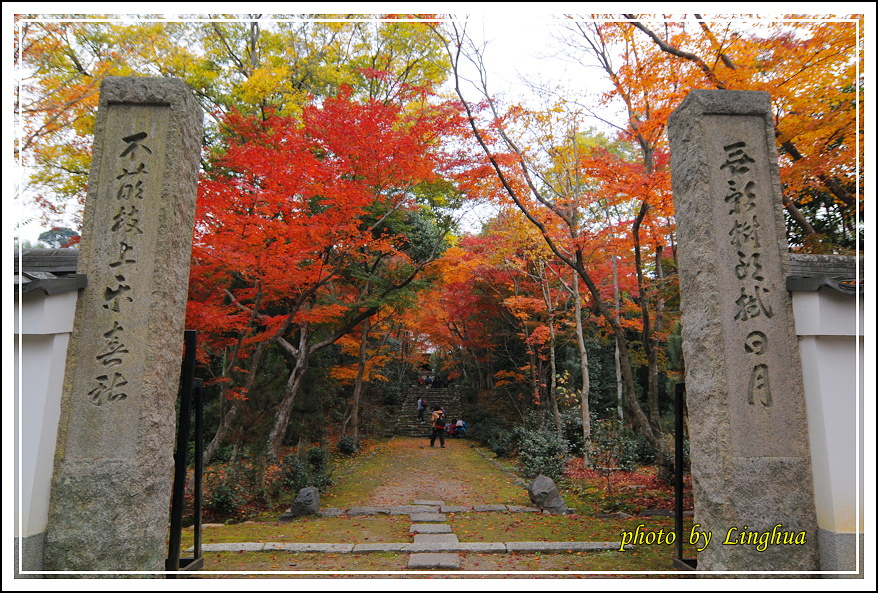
(356, 511)
(239, 547)
(331, 512)
(436, 538)
(512, 508)
(430, 503)
(489, 507)
(428, 560)
(455, 509)
(391, 547)
(483, 547)
(411, 508)
(428, 517)
(305, 547)
(561, 546)
(430, 528)
(436, 547)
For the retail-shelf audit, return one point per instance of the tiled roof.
(51, 270)
(54, 271)
(809, 273)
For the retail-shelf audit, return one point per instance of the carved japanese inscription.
(753, 299)
(121, 273)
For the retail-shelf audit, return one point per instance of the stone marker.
(544, 493)
(751, 466)
(114, 460)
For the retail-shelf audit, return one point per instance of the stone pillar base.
(838, 551)
(30, 550)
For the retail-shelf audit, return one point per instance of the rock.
(544, 493)
(307, 503)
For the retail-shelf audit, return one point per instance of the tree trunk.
(586, 381)
(553, 382)
(359, 383)
(227, 419)
(221, 432)
(646, 335)
(282, 420)
(620, 405)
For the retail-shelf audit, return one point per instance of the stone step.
(436, 538)
(432, 560)
(428, 517)
(429, 528)
(406, 422)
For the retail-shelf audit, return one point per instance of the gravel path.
(417, 471)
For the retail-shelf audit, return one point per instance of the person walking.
(422, 406)
(437, 421)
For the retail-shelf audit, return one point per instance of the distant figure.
(422, 405)
(437, 421)
(460, 428)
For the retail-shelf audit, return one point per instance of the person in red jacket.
(437, 421)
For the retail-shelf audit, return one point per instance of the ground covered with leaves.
(632, 491)
(401, 470)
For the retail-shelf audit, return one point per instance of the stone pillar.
(114, 459)
(751, 469)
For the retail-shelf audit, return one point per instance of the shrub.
(318, 457)
(490, 430)
(571, 419)
(642, 452)
(542, 452)
(224, 491)
(612, 448)
(295, 473)
(348, 444)
(500, 441)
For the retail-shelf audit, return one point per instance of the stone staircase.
(407, 417)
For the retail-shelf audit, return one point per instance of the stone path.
(429, 534)
(433, 545)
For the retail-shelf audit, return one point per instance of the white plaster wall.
(827, 313)
(829, 335)
(41, 314)
(45, 331)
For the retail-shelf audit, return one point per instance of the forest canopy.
(330, 266)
